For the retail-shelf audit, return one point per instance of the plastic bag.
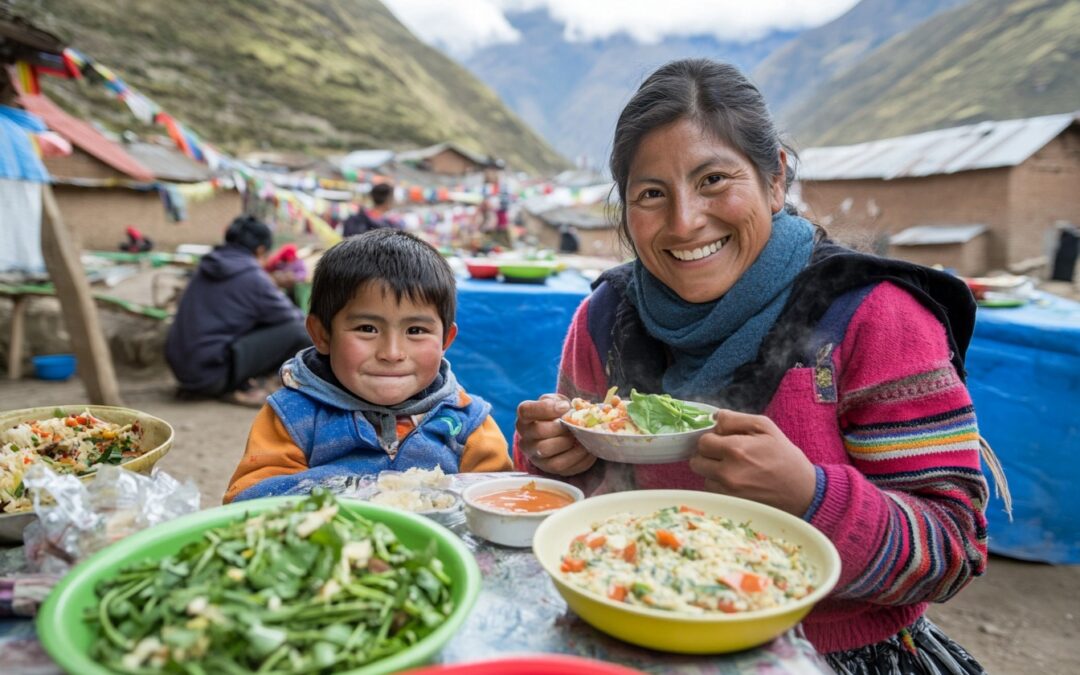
(77, 518)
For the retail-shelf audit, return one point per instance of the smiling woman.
(839, 375)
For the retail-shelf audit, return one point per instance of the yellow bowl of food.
(686, 571)
(74, 439)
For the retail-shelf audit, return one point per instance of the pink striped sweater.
(900, 492)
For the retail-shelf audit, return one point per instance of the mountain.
(988, 60)
(322, 76)
(793, 73)
(572, 92)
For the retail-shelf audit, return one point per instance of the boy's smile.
(382, 350)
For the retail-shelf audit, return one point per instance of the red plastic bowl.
(482, 270)
(529, 665)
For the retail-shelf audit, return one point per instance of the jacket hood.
(228, 261)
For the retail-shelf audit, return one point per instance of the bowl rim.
(818, 594)
(475, 490)
(60, 647)
(711, 409)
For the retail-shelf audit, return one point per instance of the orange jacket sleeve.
(486, 450)
(270, 452)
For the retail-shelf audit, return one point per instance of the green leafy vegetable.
(307, 588)
(661, 414)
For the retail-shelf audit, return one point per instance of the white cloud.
(458, 27)
(465, 25)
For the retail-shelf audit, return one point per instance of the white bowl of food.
(647, 429)
(438, 504)
(507, 511)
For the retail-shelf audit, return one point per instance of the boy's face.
(382, 350)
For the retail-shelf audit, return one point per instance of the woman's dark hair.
(249, 232)
(717, 97)
(408, 266)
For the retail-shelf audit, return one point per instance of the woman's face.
(697, 211)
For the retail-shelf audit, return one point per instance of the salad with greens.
(643, 414)
(306, 588)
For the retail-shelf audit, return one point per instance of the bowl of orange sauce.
(507, 511)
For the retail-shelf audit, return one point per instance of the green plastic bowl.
(526, 271)
(67, 638)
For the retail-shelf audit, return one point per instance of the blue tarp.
(1023, 373)
(1024, 376)
(18, 158)
(510, 339)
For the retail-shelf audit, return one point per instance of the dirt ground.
(1019, 618)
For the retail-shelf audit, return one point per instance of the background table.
(1024, 376)
(510, 339)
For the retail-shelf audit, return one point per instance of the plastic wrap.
(77, 518)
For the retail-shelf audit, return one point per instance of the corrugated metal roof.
(86, 137)
(922, 235)
(421, 154)
(985, 145)
(168, 163)
(360, 160)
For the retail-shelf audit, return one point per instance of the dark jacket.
(361, 222)
(229, 297)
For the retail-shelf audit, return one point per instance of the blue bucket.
(54, 366)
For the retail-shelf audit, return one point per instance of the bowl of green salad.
(644, 429)
(282, 584)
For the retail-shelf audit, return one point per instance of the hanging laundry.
(173, 201)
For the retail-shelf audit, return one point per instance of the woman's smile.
(701, 252)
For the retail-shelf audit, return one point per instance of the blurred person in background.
(364, 220)
(234, 327)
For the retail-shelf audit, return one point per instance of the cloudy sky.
(463, 26)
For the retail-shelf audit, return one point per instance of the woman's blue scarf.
(710, 340)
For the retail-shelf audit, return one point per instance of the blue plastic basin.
(54, 366)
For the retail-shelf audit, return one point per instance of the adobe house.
(596, 234)
(445, 158)
(104, 186)
(1017, 179)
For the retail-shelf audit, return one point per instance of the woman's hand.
(547, 444)
(748, 456)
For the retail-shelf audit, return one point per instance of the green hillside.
(988, 60)
(323, 76)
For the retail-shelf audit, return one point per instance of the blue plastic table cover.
(1024, 377)
(1023, 373)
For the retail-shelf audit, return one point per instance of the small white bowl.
(503, 527)
(642, 448)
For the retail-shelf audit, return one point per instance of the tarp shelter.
(21, 176)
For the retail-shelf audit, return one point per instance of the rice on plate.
(682, 560)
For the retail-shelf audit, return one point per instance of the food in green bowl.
(315, 585)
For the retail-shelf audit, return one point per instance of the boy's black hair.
(408, 266)
(381, 193)
(249, 232)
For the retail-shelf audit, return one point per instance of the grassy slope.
(994, 59)
(289, 74)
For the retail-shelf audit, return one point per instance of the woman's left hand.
(748, 456)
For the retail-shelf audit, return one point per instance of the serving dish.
(67, 638)
(157, 438)
(708, 633)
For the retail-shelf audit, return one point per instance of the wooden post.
(76, 303)
(15, 346)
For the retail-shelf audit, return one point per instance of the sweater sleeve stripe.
(942, 541)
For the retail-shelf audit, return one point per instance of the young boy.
(375, 392)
